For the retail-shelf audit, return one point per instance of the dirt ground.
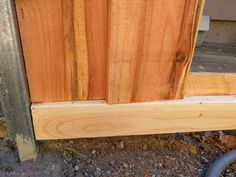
(176, 155)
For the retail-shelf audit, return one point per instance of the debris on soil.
(176, 155)
(120, 145)
(98, 172)
(229, 141)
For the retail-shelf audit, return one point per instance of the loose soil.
(176, 155)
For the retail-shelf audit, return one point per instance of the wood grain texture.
(98, 119)
(81, 49)
(198, 16)
(208, 84)
(96, 26)
(70, 58)
(122, 51)
(150, 48)
(65, 48)
(46, 29)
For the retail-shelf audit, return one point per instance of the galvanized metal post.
(14, 94)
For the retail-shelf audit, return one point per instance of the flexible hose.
(221, 164)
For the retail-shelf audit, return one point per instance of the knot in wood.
(180, 56)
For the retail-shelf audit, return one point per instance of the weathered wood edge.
(13, 86)
(197, 20)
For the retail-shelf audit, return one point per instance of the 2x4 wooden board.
(98, 119)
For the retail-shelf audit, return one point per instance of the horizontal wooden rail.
(98, 119)
(210, 84)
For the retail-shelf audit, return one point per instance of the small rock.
(200, 172)
(108, 172)
(205, 159)
(88, 175)
(93, 152)
(67, 157)
(151, 161)
(125, 165)
(179, 175)
(112, 162)
(120, 145)
(98, 172)
(145, 147)
(131, 166)
(230, 175)
(76, 167)
(153, 175)
(89, 160)
(128, 173)
(78, 162)
(201, 67)
(71, 172)
(7, 168)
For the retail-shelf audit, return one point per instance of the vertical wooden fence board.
(150, 45)
(65, 48)
(96, 26)
(125, 20)
(47, 39)
(197, 20)
(81, 49)
(122, 51)
(70, 51)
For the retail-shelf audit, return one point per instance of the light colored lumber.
(98, 119)
(150, 48)
(208, 84)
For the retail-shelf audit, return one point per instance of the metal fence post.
(14, 94)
